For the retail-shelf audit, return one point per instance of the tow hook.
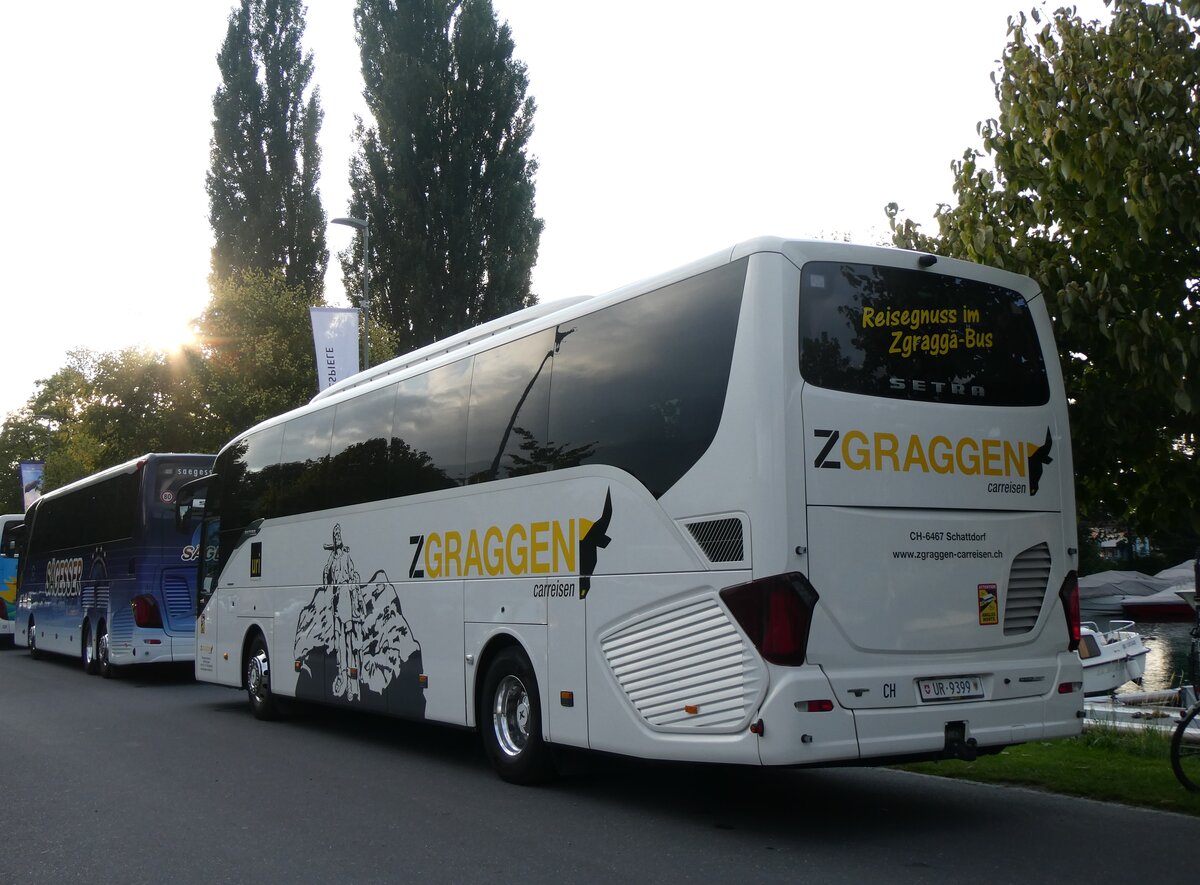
(958, 745)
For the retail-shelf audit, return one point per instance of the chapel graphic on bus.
(353, 643)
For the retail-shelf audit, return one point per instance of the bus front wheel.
(258, 681)
(33, 649)
(510, 720)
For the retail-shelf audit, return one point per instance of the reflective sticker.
(989, 606)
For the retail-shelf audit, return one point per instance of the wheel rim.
(32, 637)
(103, 648)
(510, 715)
(257, 678)
(89, 653)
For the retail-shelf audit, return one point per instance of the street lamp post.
(363, 224)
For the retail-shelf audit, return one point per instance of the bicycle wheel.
(1185, 750)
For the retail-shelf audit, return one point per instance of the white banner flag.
(31, 481)
(335, 335)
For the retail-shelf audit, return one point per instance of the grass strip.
(1130, 767)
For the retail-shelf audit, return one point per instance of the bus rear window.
(168, 479)
(918, 335)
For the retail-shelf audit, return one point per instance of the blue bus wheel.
(103, 665)
(88, 649)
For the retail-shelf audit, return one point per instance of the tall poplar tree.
(264, 203)
(442, 168)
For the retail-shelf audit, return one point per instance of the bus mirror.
(14, 535)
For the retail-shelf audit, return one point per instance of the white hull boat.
(1110, 657)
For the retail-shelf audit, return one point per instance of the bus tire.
(103, 663)
(32, 642)
(510, 720)
(263, 704)
(88, 650)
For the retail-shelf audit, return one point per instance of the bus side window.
(429, 434)
(303, 462)
(641, 385)
(358, 451)
(249, 478)
(510, 399)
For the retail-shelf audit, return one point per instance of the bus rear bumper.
(158, 649)
(795, 732)
(8, 628)
(961, 729)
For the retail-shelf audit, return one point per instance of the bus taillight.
(1069, 594)
(776, 613)
(145, 612)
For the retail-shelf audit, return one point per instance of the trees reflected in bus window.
(641, 385)
(510, 397)
(430, 430)
(359, 449)
(248, 469)
(301, 483)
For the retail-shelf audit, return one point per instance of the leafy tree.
(264, 204)
(443, 171)
(102, 409)
(258, 350)
(1089, 182)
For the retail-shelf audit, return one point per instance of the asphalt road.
(153, 778)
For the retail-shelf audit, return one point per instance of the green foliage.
(1089, 182)
(264, 204)
(255, 360)
(443, 172)
(102, 409)
(256, 357)
(258, 351)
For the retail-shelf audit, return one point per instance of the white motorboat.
(1110, 657)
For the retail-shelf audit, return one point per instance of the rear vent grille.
(120, 631)
(720, 539)
(178, 595)
(685, 669)
(1027, 582)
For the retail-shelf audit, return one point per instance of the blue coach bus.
(105, 573)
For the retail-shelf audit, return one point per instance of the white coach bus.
(798, 503)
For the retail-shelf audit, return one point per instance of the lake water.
(1167, 663)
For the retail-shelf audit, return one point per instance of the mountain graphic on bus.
(353, 643)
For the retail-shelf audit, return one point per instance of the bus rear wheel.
(258, 681)
(510, 720)
(88, 650)
(103, 665)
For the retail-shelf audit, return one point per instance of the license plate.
(950, 688)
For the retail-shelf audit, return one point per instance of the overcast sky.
(665, 130)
